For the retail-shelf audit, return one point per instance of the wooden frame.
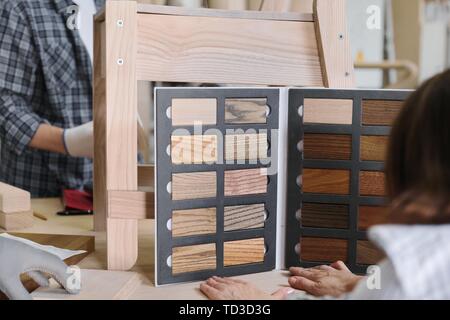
(156, 43)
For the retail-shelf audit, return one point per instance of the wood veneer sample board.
(335, 173)
(216, 212)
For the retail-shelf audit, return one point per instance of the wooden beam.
(131, 205)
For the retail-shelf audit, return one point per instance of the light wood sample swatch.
(380, 112)
(188, 112)
(190, 186)
(244, 252)
(369, 216)
(246, 111)
(328, 111)
(193, 258)
(246, 146)
(194, 149)
(245, 217)
(326, 181)
(245, 182)
(194, 222)
(13, 199)
(327, 146)
(368, 254)
(323, 249)
(16, 221)
(373, 148)
(372, 183)
(318, 215)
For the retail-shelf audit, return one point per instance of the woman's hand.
(334, 280)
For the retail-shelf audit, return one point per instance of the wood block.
(370, 216)
(131, 205)
(245, 217)
(328, 111)
(190, 186)
(16, 221)
(318, 215)
(368, 254)
(372, 183)
(193, 258)
(327, 146)
(194, 222)
(13, 199)
(323, 249)
(244, 252)
(326, 181)
(380, 112)
(245, 182)
(146, 176)
(194, 149)
(188, 112)
(246, 147)
(246, 111)
(373, 148)
(122, 243)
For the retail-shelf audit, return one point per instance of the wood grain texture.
(244, 252)
(368, 254)
(122, 243)
(222, 50)
(194, 149)
(372, 183)
(131, 205)
(328, 111)
(16, 221)
(246, 146)
(246, 111)
(380, 112)
(320, 215)
(323, 250)
(373, 148)
(13, 199)
(245, 182)
(244, 217)
(193, 258)
(326, 181)
(194, 222)
(327, 146)
(188, 112)
(190, 186)
(369, 216)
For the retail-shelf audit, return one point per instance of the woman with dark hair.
(417, 242)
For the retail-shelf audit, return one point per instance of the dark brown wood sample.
(243, 111)
(370, 216)
(244, 252)
(244, 217)
(323, 249)
(319, 215)
(326, 181)
(368, 254)
(380, 112)
(193, 258)
(193, 222)
(198, 185)
(372, 183)
(373, 148)
(245, 182)
(327, 146)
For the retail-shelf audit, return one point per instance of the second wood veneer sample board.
(216, 192)
(335, 173)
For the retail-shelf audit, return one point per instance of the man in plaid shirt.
(45, 96)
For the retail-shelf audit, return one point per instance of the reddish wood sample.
(368, 254)
(326, 181)
(372, 183)
(323, 249)
(370, 216)
(327, 146)
(380, 112)
(318, 215)
(245, 182)
(373, 148)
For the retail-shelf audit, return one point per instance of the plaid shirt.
(45, 77)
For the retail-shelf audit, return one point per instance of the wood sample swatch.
(16, 221)
(368, 254)
(326, 181)
(244, 252)
(193, 258)
(13, 199)
(245, 182)
(198, 185)
(327, 146)
(322, 215)
(372, 183)
(373, 148)
(193, 222)
(246, 146)
(323, 249)
(380, 112)
(328, 111)
(188, 112)
(244, 217)
(194, 149)
(369, 216)
(246, 111)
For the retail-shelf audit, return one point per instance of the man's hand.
(334, 280)
(79, 141)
